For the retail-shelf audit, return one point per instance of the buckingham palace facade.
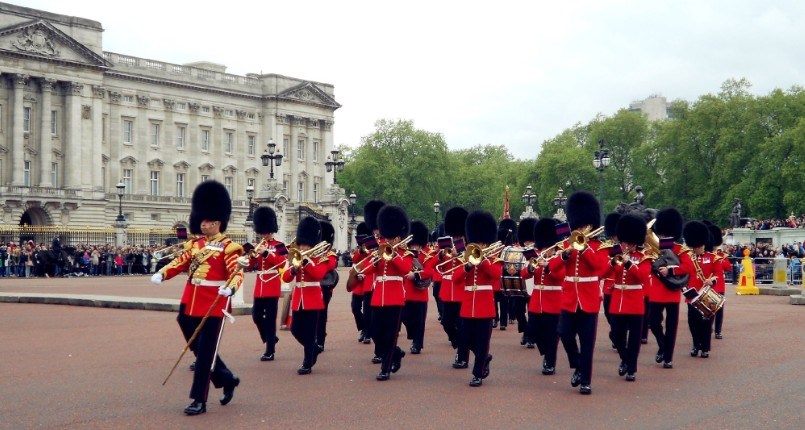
(76, 121)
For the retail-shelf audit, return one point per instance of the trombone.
(296, 257)
(384, 251)
(475, 255)
(578, 238)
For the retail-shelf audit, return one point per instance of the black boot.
(195, 408)
(229, 391)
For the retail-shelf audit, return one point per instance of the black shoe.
(360, 338)
(659, 357)
(614, 346)
(460, 364)
(476, 381)
(522, 340)
(503, 328)
(494, 323)
(192, 367)
(694, 352)
(622, 369)
(377, 360)
(548, 370)
(195, 408)
(575, 380)
(511, 321)
(644, 341)
(586, 389)
(304, 370)
(229, 391)
(719, 336)
(319, 349)
(267, 357)
(529, 345)
(382, 376)
(668, 365)
(415, 350)
(630, 377)
(367, 339)
(705, 354)
(486, 366)
(397, 362)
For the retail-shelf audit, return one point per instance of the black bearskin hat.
(507, 231)
(481, 227)
(525, 231)
(455, 220)
(327, 232)
(715, 232)
(631, 229)
(420, 232)
(393, 222)
(611, 224)
(265, 220)
(363, 229)
(212, 202)
(194, 223)
(545, 233)
(669, 223)
(583, 209)
(308, 232)
(370, 211)
(695, 234)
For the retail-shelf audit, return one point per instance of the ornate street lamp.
(121, 189)
(334, 164)
(436, 207)
(271, 157)
(529, 198)
(352, 225)
(600, 162)
(559, 201)
(250, 196)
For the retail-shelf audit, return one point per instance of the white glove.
(156, 278)
(225, 291)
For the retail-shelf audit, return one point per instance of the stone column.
(18, 135)
(72, 149)
(98, 94)
(46, 141)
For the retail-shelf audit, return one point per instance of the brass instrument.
(651, 246)
(243, 260)
(475, 255)
(384, 251)
(578, 238)
(296, 257)
(179, 249)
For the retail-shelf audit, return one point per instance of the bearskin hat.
(480, 227)
(308, 232)
(507, 231)
(715, 232)
(265, 220)
(393, 222)
(327, 232)
(420, 232)
(583, 209)
(525, 231)
(611, 224)
(455, 220)
(211, 201)
(370, 211)
(363, 229)
(194, 223)
(545, 233)
(669, 223)
(695, 233)
(631, 229)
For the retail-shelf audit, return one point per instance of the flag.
(506, 206)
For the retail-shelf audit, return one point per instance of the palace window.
(128, 131)
(26, 119)
(229, 142)
(300, 191)
(251, 142)
(53, 122)
(128, 99)
(315, 192)
(180, 185)
(205, 140)
(154, 183)
(127, 180)
(250, 182)
(154, 134)
(228, 184)
(180, 137)
(205, 178)
(300, 149)
(286, 146)
(54, 174)
(315, 150)
(26, 174)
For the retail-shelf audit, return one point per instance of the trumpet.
(475, 255)
(578, 238)
(296, 257)
(384, 251)
(163, 252)
(243, 260)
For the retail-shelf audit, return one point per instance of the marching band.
(551, 276)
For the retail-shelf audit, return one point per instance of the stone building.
(655, 107)
(76, 120)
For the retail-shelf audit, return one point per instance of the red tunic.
(215, 261)
(709, 267)
(658, 292)
(479, 292)
(356, 257)
(412, 293)
(268, 263)
(452, 289)
(726, 266)
(547, 295)
(629, 290)
(582, 287)
(307, 293)
(389, 289)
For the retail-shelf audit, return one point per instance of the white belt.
(581, 278)
(389, 278)
(478, 288)
(629, 287)
(548, 287)
(447, 277)
(206, 283)
(267, 272)
(307, 284)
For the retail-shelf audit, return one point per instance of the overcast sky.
(494, 72)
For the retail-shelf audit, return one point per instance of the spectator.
(95, 260)
(119, 264)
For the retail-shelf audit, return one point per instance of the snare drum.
(708, 302)
(513, 261)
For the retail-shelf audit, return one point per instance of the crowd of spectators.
(768, 224)
(28, 259)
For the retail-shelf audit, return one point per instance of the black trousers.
(542, 330)
(517, 310)
(628, 331)
(221, 376)
(581, 325)
(450, 313)
(646, 319)
(437, 286)
(264, 315)
(719, 319)
(303, 330)
(321, 328)
(501, 309)
(475, 336)
(367, 314)
(357, 311)
(666, 339)
(701, 329)
(188, 325)
(386, 328)
(606, 304)
(414, 316)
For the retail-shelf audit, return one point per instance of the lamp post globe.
(121, 190)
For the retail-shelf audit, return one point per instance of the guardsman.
(478, 304)
(581, 291)
(721, 286)
(627, 307)
(696, 236)
(213, 271)
(608, 281)
(392, 263)
(328, 283)
(187, 323)
(525, 237)
(452, 291)
(416, 287)
(507, 234)
(546, 299)
(370, 212)
(307, 300)
(437, 276)
(362, 232)
(270, 256)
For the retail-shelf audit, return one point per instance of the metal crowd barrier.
(765, 271)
